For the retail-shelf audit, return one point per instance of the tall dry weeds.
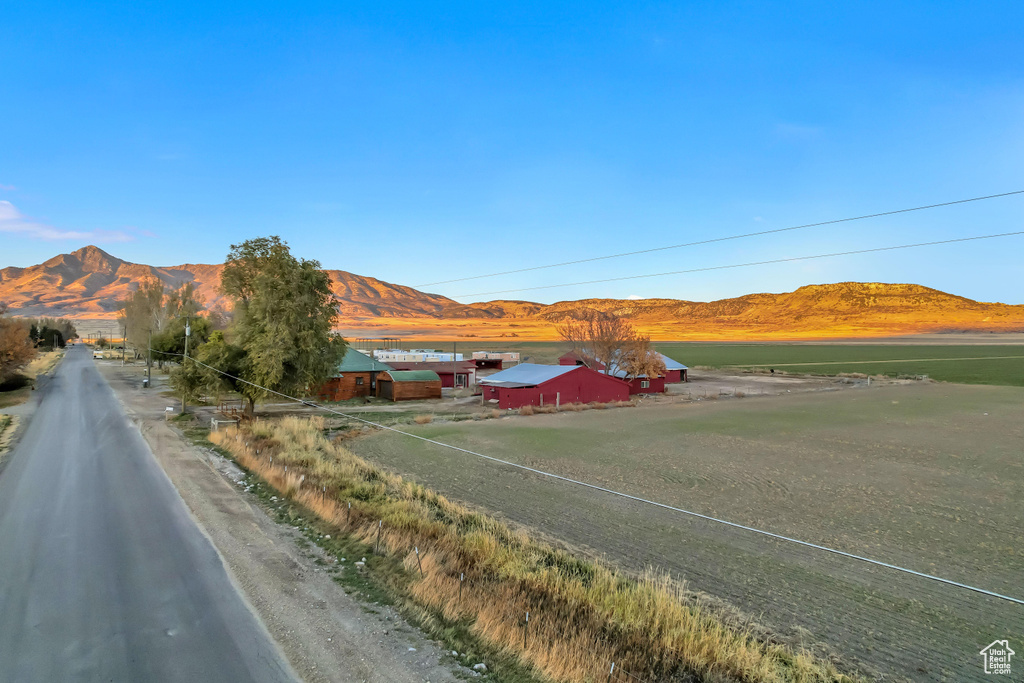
(582, 615)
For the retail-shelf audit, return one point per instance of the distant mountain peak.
(90, 283)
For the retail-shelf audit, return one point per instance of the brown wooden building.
(356, 376)
(408, 385)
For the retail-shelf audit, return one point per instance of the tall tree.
(283, 316)
(609, 343)
(142, 314)
(596, 337)
(183, 308)
(16, 347)
(638, 359)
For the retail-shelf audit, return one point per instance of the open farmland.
(926, 476)
(967, 364)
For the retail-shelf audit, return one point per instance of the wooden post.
(380, 527)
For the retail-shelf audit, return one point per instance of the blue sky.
(419, 142)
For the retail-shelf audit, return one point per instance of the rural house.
(356, 376)
(408, 385)
(537, 385)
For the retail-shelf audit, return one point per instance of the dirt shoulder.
(326, 634)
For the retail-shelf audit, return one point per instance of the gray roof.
(527, 375)
(672, 364)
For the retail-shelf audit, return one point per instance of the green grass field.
(962, 363)
(926, 476)
(966, 364)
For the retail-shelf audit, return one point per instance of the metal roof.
(360, 362)
(527, 374)
(414, 376)
(672, 364)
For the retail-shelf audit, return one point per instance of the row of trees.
(49, 333)
(278, 338)
(609, 343)
(16, 345)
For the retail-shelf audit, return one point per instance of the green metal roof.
(414, 376)
(360, 362)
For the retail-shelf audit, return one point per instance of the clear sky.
(417, 142)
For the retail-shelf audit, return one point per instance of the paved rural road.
(104, 576)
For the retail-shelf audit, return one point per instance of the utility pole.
(149, 360)
(124, 341)
(188, 330)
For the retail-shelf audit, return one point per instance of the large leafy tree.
(283, 316)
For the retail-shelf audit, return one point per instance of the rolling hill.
(89, 282)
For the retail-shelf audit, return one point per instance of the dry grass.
(423, 419)
(44, 363)
(495, 413)
(8, 425)
(582, 615)
(527, 410)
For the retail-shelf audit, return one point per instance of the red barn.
(674, 370)
(574, 358)
(645, 385)
(637, 385)
(536, 385)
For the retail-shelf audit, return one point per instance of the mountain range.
(88, 284)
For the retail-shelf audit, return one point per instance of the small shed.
(408, 385)
(674, 370)
(356, 376)
(458, 375)
(537, 385)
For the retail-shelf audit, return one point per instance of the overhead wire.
(722, 239)
(748, 264)
(613, 492)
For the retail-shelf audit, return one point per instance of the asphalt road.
(104, 576)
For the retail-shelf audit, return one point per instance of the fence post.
(380, 527)
(462, 578)
(526, 627)
(610, 672)
(558, 400)
(420, 564)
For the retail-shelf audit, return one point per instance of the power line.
(620, 494)
(721, 239)
(745, 265)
